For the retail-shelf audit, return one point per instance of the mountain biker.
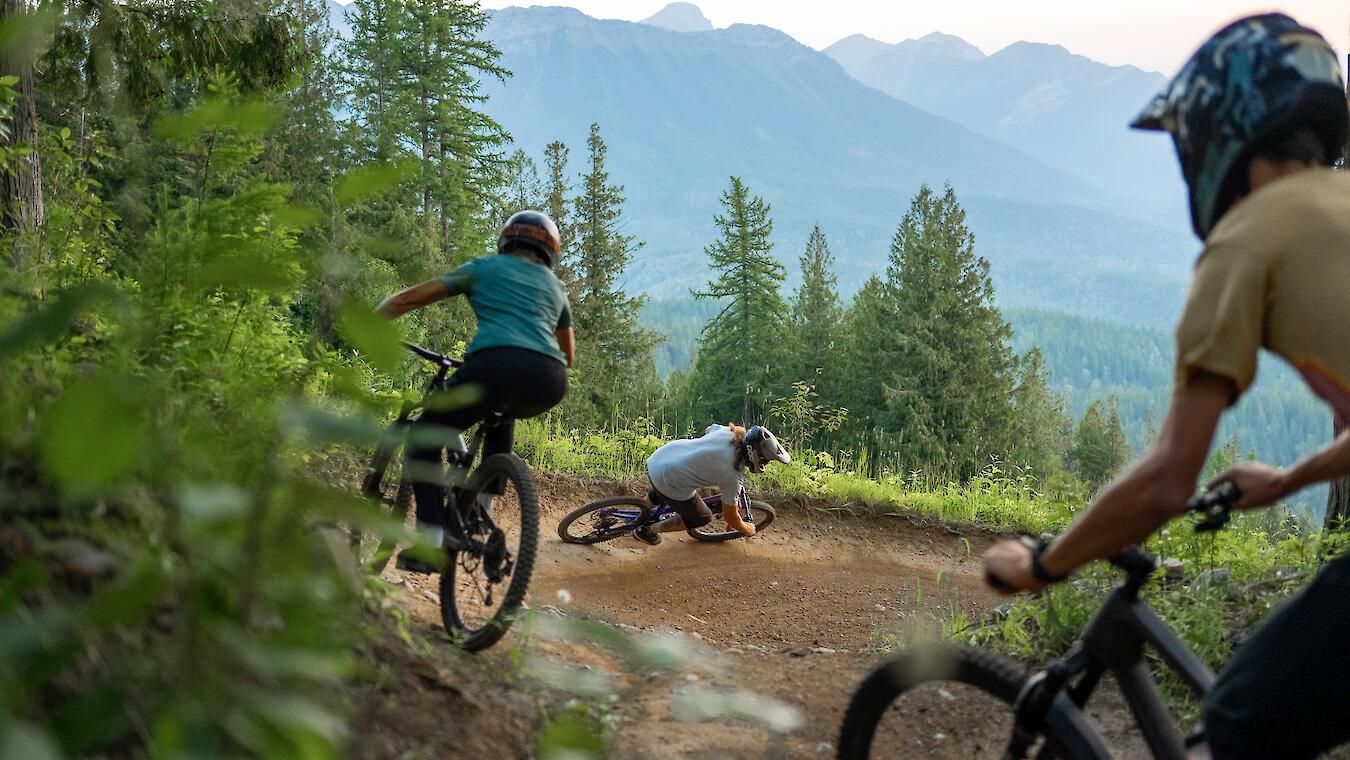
(516, 363)
(716, 459)
(1256, 116)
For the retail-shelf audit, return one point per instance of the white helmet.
(761, 447)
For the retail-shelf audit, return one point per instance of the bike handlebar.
(433, 357)
(1214, 508)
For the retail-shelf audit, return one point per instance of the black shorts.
(517, 382)
(1286, 691)
(693, 512)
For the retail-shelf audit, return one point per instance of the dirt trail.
(789, 614)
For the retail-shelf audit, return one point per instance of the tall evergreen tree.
(742, 358)
(868, 330)
(522, 188)
(1042, 426)
(615, 372)
(303, 149)
(943, 360)
(1099, 446)
(413, 71)
(817, 316)
(557, 191)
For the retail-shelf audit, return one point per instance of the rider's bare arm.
(1151, 492)
(568, 343)
(412, 298)
(731, 514)
(1262, 485)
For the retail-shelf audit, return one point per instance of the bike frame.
(456, 474)
(660, 513)
(1114, 643)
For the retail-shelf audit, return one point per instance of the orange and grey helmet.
(532, 230)
(761, 447)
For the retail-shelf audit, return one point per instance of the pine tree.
(303, 149)
(868, 330)
(557, 190)
(1099, 446)
(615, 372)
(522, 188)
(413, 71)
(941, 355)
(1042, 426)
(817, 316)
(742, 358)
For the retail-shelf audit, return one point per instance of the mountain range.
(1066, 110)
(681, 111)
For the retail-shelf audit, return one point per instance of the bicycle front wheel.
(490, 544)
(936, 702)
(604, 520)
(761, 515)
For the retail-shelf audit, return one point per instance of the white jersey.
(681, 467)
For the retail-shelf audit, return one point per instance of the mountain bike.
(1043, 713)
(491, 531)
(610, 518)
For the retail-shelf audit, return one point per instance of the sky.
(1156, 35)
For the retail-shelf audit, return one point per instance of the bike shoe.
(646, 535)
(425, 560)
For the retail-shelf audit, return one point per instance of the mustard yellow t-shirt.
(1275, 273)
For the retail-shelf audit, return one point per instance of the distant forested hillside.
(1092, 359)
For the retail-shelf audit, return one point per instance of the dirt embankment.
(788, 614)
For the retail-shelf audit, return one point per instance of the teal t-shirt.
(519, 303)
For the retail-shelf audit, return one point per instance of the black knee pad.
(698, 522)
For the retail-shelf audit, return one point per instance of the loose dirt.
(795, 614)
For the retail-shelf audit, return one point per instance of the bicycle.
(491, 531)
(611, 518)
(1047, 708)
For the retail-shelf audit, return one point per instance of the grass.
(996, 498)
(1226, 583)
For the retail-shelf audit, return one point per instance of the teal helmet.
(1254, 79)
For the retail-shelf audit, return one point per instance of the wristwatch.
(1038, 570)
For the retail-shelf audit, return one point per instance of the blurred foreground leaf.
(52, 319)
(21, 740)
(374, 335)
(93, 434)
(367, 182)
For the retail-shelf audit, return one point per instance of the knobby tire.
(997, 676)
(761, 514)
(511, 467)
(622, 529)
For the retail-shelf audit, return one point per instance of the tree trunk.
(1338, 499)
(21, 181)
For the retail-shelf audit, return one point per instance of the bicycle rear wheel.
(490, 547)
(761, 515)
(604, 520)
(935, 701)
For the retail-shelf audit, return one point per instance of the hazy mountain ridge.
(681, 112)
(680, 17)
(1065, 109)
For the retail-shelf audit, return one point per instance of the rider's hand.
(1010, 563)
(1260, 484)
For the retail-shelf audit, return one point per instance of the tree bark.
(21, 180)
(1338, 498)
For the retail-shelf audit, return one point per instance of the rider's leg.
(669, 524)
(1283, 693)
